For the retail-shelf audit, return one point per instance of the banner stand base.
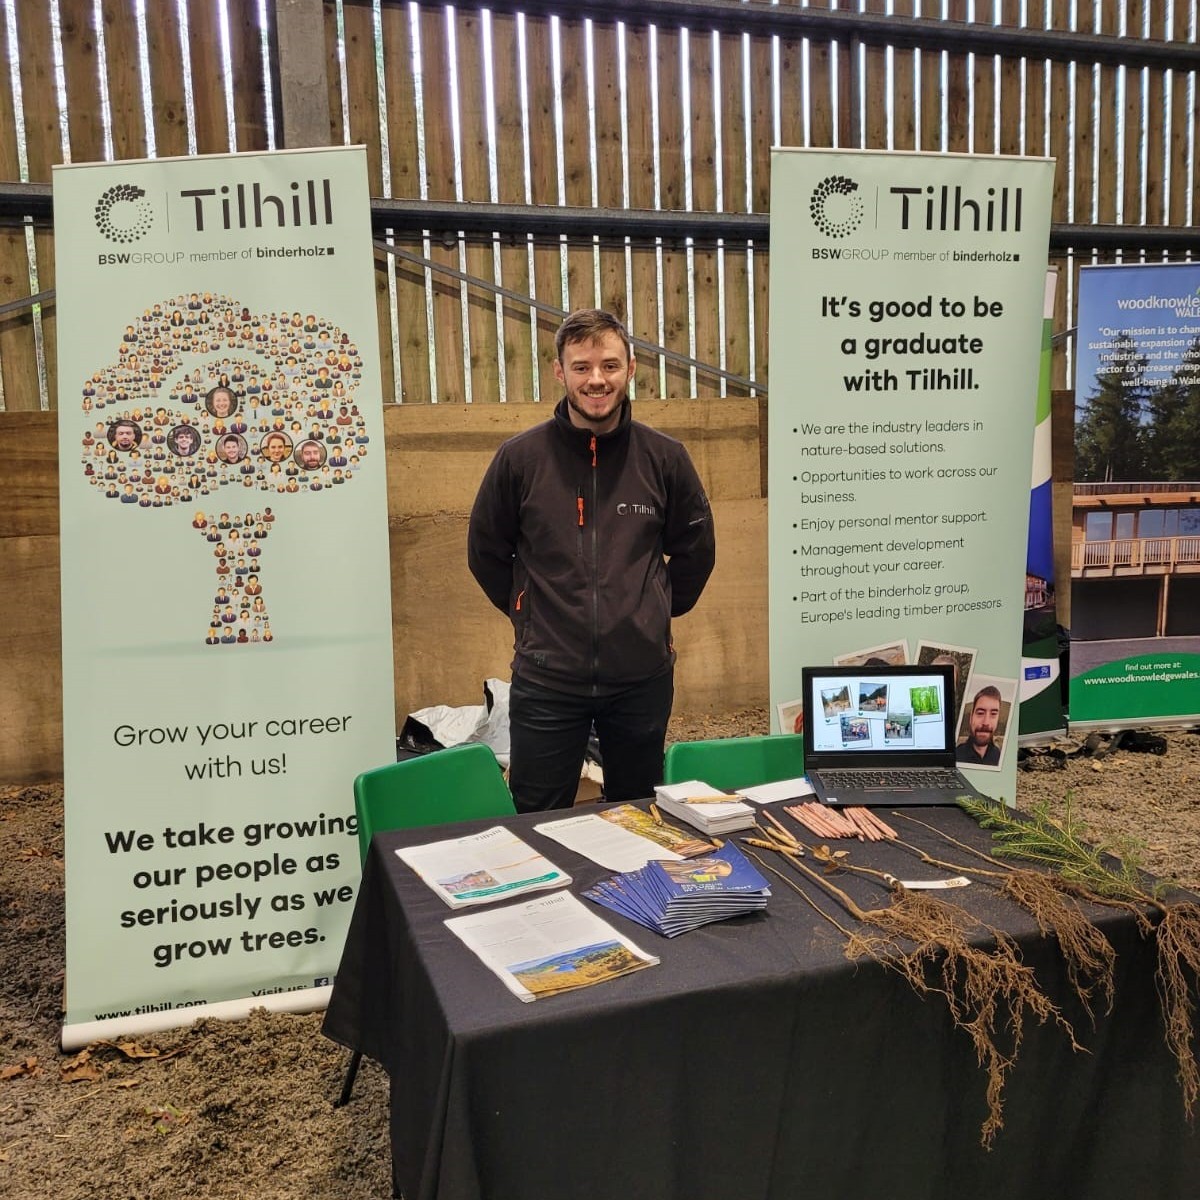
(83, 1033)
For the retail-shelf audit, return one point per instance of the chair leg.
(348, 1082)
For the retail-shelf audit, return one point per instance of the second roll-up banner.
(906, 330)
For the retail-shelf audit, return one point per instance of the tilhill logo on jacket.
(637, 510)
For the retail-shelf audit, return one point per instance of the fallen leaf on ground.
(130, 1049)
(28, 1067)
(80, 1069)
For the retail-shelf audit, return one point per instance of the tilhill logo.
(839, 209)
(123, 214)
(836, 208)
(951, 210)
(637, 510)
(308, 202)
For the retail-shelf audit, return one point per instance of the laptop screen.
(885, 714)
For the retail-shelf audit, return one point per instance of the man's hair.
(993, 692)
(127, 424)
(588, 324)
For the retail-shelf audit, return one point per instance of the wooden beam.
(303, 77)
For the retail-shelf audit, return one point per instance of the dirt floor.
(243, 1110)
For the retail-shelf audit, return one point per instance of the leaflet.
(622, 838)
(548, 945)
(782, 789)
(480, 868)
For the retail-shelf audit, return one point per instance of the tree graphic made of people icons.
(229, 411)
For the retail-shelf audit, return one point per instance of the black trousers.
(549, 734)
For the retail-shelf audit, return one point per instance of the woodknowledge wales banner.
(906, 330)
(227, 651)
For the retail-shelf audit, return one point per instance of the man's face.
(185, 441)
(310, 455)
(232, 448)
(124, 437)
(595, 375)
(985, 716)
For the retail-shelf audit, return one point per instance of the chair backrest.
(457, 784)
(731, 763)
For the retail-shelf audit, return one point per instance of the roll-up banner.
(1135, 526)
(906, 329)
(1041, 715)
(227, 650)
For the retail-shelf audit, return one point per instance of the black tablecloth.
(755, 1063)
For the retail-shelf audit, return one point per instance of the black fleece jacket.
(568, 536)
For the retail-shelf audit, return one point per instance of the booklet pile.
(673, 897)
(704, 807)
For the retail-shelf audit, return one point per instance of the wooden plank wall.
(529, 109)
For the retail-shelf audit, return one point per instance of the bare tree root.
(1178, 941)
(1087, 953)
(989, 992)
(926, 941)
(1090, 958)
(1084, 871)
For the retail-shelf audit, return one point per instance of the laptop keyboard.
(895, 779)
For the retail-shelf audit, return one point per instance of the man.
(231, 448)
(569, 536)
(980, 749)
(184, 441)
(124, 435)
(311, 455)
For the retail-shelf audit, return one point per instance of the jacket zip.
(595, 575)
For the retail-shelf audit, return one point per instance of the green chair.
(731, 763)
(458, 784)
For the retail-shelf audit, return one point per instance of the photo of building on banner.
(226, 613)
(1135, 536)
(907, 299)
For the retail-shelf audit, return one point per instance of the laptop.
(881, 735)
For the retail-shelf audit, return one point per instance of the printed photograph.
(981, 733)
(576, 968)
(458, 885)
(890, 654)
(791, 716)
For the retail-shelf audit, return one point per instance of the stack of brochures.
(673, 897)
(704, 807)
